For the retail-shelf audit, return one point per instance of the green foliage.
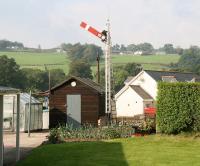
(8, 45)
(89, 132)
(120, 74)
(168, 49)
(10, 74)
(190, 60)
(178, 107)
(38, 80)
(55, 136)
(87, 52)
(57, 76)
(146, 48)
(80, 68)
(111, 133)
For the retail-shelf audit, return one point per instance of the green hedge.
(178, 107)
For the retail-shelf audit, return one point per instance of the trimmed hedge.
(178, 107)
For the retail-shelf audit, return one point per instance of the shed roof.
(141, 92)
(85, 81)
(8, 90)
(25, 97)
(179, 76)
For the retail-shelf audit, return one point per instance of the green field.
(38, 60)
(141, 151)
(60, 60)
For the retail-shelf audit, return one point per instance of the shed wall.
(91, 108)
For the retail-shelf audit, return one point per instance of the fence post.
(1, 130)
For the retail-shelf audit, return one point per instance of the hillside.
(60, 60)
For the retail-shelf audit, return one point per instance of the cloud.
(50, 22)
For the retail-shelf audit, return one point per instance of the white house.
(140, 92)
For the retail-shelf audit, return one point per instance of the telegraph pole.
(98, 68)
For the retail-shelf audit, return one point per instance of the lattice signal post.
(105, 38)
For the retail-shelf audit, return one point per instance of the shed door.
(74, 110)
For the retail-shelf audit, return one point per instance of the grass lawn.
(141, 151)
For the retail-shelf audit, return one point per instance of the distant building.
(138, 52)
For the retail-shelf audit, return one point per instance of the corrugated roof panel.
(25, 97)
(7, 90)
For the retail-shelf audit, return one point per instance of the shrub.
(111, 133)
(88, 132)
(57, 135)
(178, 107)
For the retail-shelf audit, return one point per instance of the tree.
(36, 79)
(10, 74)
(190, 60)
(116, 48)
(122, 48)
(168, 49)
(6, 45)
(132, 47)
(87, 52)
(57, 76)
(66, 47)
(179, 50)
(120, 74)
(80, 68)
(146, 48)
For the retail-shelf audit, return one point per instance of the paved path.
(26, 145)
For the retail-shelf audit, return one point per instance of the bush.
(111, 133)
(57, 135)
(89, 132)
(178, 107)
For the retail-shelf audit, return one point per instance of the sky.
(52, 22)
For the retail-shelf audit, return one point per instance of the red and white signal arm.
(95, 32)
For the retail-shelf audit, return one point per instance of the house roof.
(8, 90)
(179, 76)
(85, 81)
(128, 79)
(141, 92)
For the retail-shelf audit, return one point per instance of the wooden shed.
(76, 101)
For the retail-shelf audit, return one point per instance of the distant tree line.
(90, 49)
(146, 49)
(8, 45)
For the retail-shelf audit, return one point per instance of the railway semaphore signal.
(105, 38)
